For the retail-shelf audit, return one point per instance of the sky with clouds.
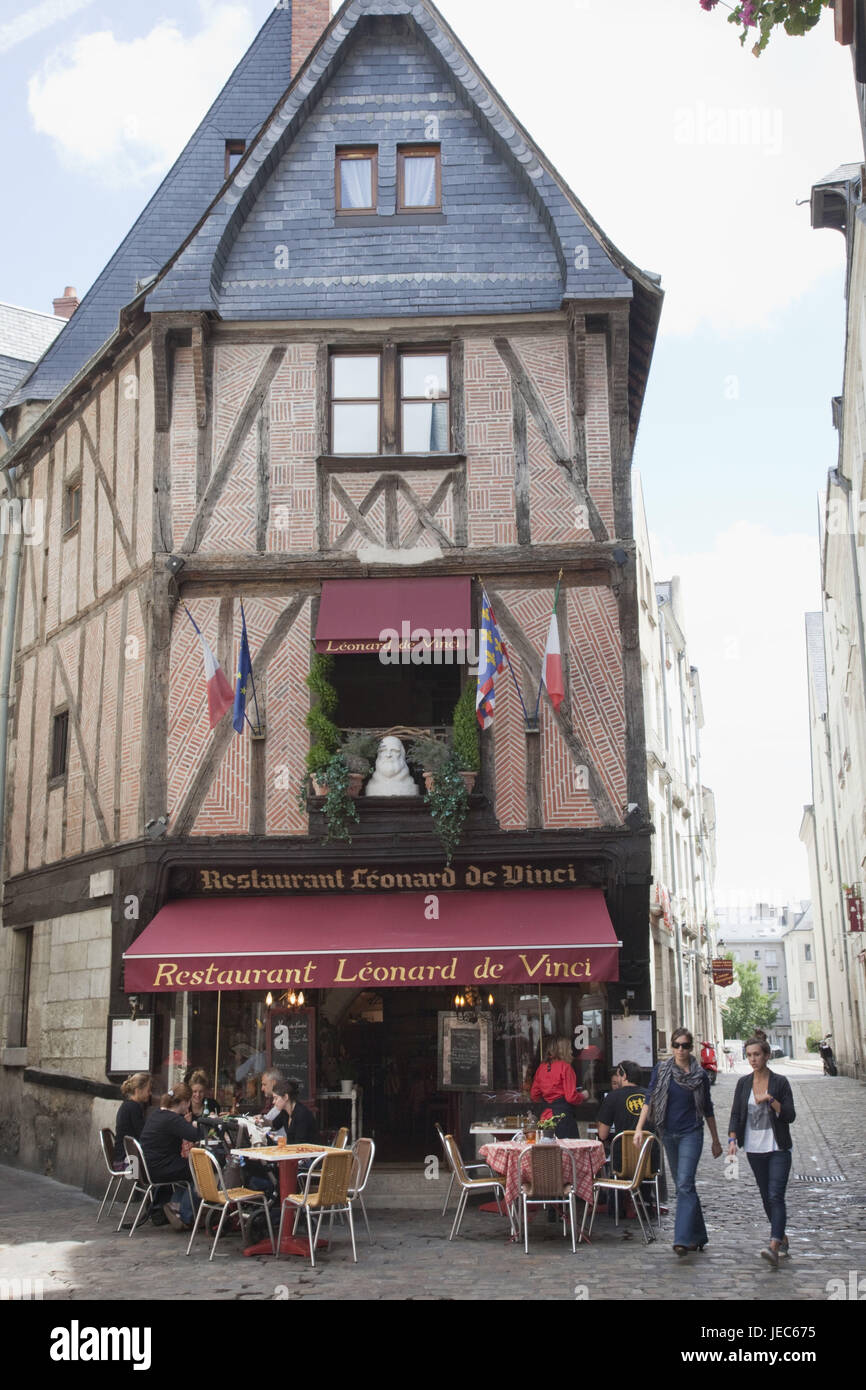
(696, 158)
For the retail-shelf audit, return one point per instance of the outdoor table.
(289, 1158)
(588, 1156)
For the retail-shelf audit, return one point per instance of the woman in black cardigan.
(762, 1112)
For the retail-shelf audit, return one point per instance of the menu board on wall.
(292, 1047)
(631, 1039)
(465, 1053)
(130, 1044)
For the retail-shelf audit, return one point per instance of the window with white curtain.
(356, 179)
(419, 178)
(424, 403)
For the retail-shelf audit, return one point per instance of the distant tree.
(753, 1009)
(761, 17)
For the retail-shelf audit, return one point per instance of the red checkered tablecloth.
(588, 1156)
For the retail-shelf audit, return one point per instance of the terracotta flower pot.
(356, 782)
(428, 780)
(469, 779)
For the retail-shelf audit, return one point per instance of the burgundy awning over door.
(353, 613)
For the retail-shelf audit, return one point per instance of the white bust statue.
(391, 775)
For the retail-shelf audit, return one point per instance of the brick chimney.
(65, 307)
(310, 19)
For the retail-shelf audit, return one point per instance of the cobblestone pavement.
(48, 1232)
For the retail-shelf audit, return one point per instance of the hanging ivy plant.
(338, 807)
(326, 735)
(448, 800)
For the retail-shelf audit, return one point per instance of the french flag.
(220, 696)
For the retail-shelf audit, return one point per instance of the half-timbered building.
(388, 363)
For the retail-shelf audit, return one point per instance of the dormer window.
(234, 154)
(419, 178)
(356, 179)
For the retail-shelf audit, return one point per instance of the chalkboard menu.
(465, 1053)
(292, 1047)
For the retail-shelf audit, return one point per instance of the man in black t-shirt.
(620, 1109)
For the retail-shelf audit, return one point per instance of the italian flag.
(552, 670)
(220, 696)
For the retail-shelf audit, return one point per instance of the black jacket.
(780, 1090)
(301, 1128)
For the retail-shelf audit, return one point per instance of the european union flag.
(243, 679)
(491, 659)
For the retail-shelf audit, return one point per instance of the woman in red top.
(556, 1084)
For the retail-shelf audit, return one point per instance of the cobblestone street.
(49, 1233)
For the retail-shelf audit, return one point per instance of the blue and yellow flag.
(243, 678)
(491, 660)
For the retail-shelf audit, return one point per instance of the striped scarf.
(668, 1071)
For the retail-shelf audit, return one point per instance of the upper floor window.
(234, 154)
(807, 952)
(60, 744)
(424, 403)
(419, 178)
(770, 958)
(356, 178)
(407, 400)
(772, 983)
(72, 505)
(810, 989)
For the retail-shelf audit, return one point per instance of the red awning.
(353, 613)
(552, 936)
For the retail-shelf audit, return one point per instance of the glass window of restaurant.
(387, 1042)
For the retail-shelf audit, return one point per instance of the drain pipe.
(7, 633)
(678, 935)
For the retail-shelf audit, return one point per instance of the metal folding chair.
(115, 1179)
(631, 1186)
(468, 1167)
(467, 1185)
(334, 1172)
(545, 1186)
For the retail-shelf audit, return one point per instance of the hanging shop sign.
(723, 973)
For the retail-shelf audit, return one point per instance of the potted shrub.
(430, 755)
(359, 753)
(467, 746)
(546, 1129)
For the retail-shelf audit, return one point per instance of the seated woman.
(201, 1103)
(131, 1115)
(295, 1118)
(166, 1141)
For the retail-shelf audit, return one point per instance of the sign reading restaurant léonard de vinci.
(362, 879)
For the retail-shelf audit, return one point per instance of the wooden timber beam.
(228, 455)
(531, 663)
(185, 817)
(523, 383)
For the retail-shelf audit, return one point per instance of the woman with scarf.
(678, 1101)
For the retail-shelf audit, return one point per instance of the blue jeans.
(771, 1174)
(683, 1153)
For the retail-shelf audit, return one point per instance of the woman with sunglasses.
(678, 1101)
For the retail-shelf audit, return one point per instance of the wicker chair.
(467, 1185)
(364, 1151)
(341, 1138)
(623, 1158)
(334, 1171)
(215, 1196)
(467, 1167)
(631, 1186)
(545, 1187)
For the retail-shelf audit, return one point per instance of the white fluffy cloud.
(689, 152)
(745, 601)
(121, 111)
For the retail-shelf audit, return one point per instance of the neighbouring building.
(681, 808)
(801, 965)
(760, 938)
(25, 334)
(387, 362)
(834, 825)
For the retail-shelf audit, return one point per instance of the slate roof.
(239, 111)
(24, 336)
(194, 280)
